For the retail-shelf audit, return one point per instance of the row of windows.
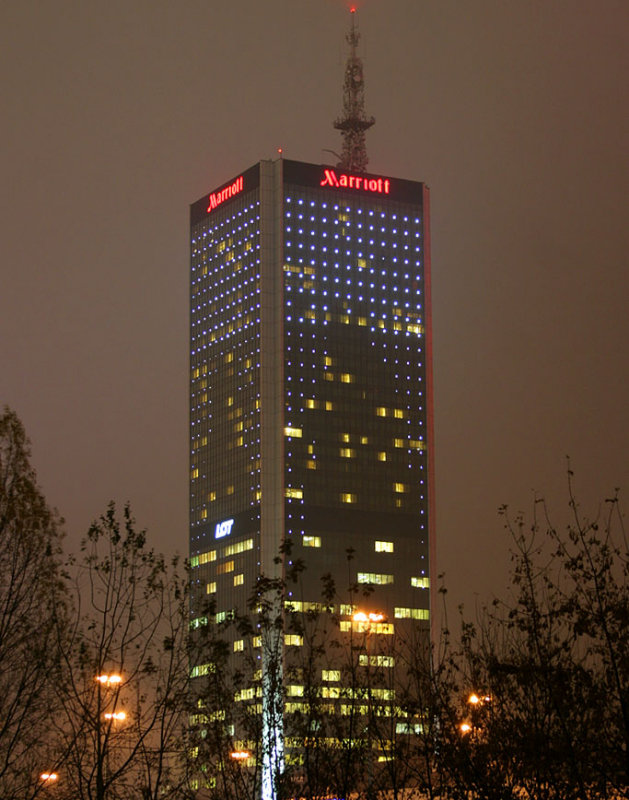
(292, 432)
(230, 550)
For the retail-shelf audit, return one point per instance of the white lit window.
(383, 547)
(374, 577)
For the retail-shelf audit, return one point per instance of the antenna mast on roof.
(353, 123)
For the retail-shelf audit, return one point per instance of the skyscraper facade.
(310, 386)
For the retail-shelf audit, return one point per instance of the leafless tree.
(123, 681)
(31, 607)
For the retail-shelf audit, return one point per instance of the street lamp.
(465, 727)
(105, 681)
(115, 715)
(109, 680)
(48, 777)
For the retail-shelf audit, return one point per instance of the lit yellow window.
(295, 690)
(382, 456)
(327, 361)
(364, 440)
(347, 609)
(331, 674)
(230, 490)
(310, 403)
(258, 495)
(210, 588)
(329, 405)
(362, 263)
(293, 640)
(194, 473)
(347, 452)
(381, 411)
(362, 321)
(294, 432)
(204, 514)
(344, 437)
(346, 377)
(239, 426)
(383, 547)
(383, 628)
(400, 488)
(211, 497)
(238, 547)
(420, 583)
(239, 645)
(311, 541)
(256, 641)
(228, 359)
(310, 449)
(401, 443)
(348, 497)
(398, 413)
(239, 579)
(209, 556)
(411, 613)
(310, 464)
(374, 577)
(228, 566)
(295, 494)
(329, 376)
(376, 661)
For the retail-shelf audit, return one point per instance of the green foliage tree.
(31, 610)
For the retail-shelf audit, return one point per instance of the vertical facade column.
(272, 464)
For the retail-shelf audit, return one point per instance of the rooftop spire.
(353, 123)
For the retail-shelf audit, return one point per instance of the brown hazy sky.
(115, 116)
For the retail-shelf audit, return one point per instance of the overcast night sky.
(116, 116)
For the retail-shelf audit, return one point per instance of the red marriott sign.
(216, 198)
(343, 181)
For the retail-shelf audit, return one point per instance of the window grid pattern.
(354, 343)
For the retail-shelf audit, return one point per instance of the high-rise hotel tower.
(311, 386)
(310, 394)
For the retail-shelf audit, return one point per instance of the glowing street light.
(240, 755)
(48, 777)
(465, 727)
(115, 715)
(372, 616)
(109, 680)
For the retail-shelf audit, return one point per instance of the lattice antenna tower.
(353, 124)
